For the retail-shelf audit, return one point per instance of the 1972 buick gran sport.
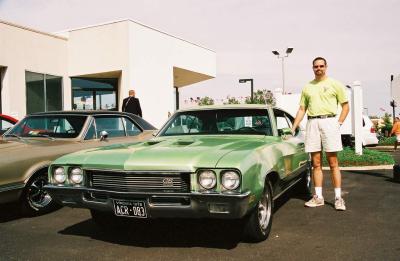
(225, 162)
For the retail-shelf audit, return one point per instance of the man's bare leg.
(316, 158)
(318, 199)
(336, 180)
(335, 171)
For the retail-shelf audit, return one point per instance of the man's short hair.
(319, 58)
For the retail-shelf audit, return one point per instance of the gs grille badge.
(168, 182)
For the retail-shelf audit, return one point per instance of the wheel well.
(37, 172)
(273, 178)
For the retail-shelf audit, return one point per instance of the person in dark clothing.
(131, 104)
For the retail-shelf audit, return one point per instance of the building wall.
(151, 61)
(98, 49)
(141, 57)
(27, 50)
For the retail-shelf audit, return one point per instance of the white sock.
(338, 192)
(318, 192)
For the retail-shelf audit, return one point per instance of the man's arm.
(299, 117)
(345, 111)
(139, 108)
(123, 105)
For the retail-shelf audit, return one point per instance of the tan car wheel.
(36, 200)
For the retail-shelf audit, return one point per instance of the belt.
(321, 116)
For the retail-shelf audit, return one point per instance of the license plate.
(130, 208)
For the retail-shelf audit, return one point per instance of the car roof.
(81, 112)
(142, 122)
(227, 106)
(8, 118)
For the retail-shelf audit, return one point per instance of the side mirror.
(287, 131)
(103, 135)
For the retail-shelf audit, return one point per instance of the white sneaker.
(315, 202)
(339, 204)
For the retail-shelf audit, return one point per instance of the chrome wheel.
(258, 223)
(264, 211)
(36, 196)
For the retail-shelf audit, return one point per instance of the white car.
(369, 137)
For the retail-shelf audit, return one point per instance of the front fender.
(38, 166)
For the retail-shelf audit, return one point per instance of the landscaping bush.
(347, 157)
(387, 140)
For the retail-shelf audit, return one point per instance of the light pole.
(392, 102)
(289, 50)
(251, 86)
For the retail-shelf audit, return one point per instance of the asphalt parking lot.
(368, 230)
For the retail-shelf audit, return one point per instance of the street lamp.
(289, 50)
(251, 86)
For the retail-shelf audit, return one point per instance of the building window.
(43, 92)
(94, 93)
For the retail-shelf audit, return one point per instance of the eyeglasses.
(318, 66)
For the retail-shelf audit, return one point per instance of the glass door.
(94, 94)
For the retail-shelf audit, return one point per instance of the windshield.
(222, 121)
(56, 126)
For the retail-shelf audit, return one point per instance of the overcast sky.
(359, 38)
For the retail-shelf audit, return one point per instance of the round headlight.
(59, 175)
(230, 180)
(207, 179)
(76, 175)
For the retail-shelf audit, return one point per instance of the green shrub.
(347, 157)
(206, 101)
(387, 140)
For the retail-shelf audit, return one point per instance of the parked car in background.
(31, 145)
(369, 137)
(6, 122)
(226, 162)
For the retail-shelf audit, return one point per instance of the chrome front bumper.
(158, 205)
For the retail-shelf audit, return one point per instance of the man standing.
(320, 99)
(131, 104)
(396, 131)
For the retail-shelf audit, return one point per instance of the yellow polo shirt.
(323, 97)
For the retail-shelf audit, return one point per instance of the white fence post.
(357, 110)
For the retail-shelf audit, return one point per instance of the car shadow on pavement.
(373, 173)
(221, 234)
(10, 212)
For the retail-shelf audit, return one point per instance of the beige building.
(94, 67)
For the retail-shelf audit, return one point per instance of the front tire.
(35, 200)
(258, 224)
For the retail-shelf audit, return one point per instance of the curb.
(363, 167)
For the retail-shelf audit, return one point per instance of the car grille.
(139, 181)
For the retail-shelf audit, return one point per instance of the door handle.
(300, 145)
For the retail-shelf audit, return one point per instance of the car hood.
(164, 153)
(11, 145)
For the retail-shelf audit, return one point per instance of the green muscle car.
(225, 162)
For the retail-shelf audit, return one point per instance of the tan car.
(29, 147)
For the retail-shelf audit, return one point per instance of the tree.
(262, 97)
(387, 124)
(231, 100)
(206, 101)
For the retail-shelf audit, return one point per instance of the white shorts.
(323, 134)
(398, 138)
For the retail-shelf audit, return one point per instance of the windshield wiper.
(13, 135)
(44, 136)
